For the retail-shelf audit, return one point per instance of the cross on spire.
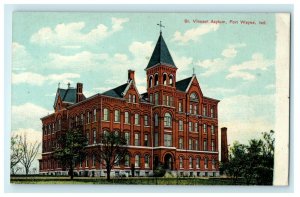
(160, 26)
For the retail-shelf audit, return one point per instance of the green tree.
(253, 162)
(71, 149)
(111, 151)
(236, 161)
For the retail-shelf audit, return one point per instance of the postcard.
(150, 98)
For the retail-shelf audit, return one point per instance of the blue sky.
(233, 62)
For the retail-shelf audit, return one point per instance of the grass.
(122, 181)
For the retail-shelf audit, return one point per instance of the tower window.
(165, 79)
(156, 79)
(150, 82)
(171, 80)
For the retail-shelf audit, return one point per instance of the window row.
(167, 80)
(197, 162)
(51, 128)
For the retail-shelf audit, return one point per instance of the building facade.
(172, 124)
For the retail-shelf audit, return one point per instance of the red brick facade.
(173, 123)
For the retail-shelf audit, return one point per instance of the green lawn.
(132, 181)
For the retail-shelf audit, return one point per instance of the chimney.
(224, 145)
(130, 75)
(79, 95)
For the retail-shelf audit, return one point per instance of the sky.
(234, 61)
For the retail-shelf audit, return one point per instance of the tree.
(29, 150)
(253, 162)
(71, 149)
(111, 151)
(16, 153)
(236, 161)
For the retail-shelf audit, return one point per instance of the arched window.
(147, 161)
(197, 162)
(171, 80)
(213, 164)
(117, 115)
(105, 114)
(205, 163)
(165, 79)
(194, 97)
(150, 81)
(190, 162)
(156, 79)
(127, 161)
(137, 161)
(167, 120)
(181, 162)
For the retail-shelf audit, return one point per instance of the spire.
(161, 54)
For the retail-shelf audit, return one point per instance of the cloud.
(27, 116)
(74, 34)
(247, 116)
(194, 34)
(141, 49)
(38, 79)
(183, 63)
(20, 57)
(212, 66)
(270, 86)
(243, 70)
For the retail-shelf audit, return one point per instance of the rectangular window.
(181, 143)
(146, 120)
(164, 99)
(88, 118)
(191, 108)
(167, 140)
(136, 119)
(127, 138)
(156, 98)
(180, 125)
(133, 98)
(151, 98)
(156, 120)
(94, 160)
(212, 112)
(95, 115)
(117, 116)
(86, 161)
(205, 163)
(190, 144)
(129, 98)
(212, 145)
(195, 109)
(127, 160)
(136, 139)
(190, 162)
(171, 101)
(190, 126)
(180, 106)
(137, 161)
(95, 137)
(88, 137)
(146, 141)
(81, 119)
(196, 127)
(147, 161)
(59, 124)
(205, 145)
(196, 145)
(204, 111)
(212, 129)
(156, 139)
(204, 128)
(126, 117)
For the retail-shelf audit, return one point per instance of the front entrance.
(168, 161)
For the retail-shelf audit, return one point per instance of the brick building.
(172, 123)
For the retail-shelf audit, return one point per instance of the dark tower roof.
(161, 54)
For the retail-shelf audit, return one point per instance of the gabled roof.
(67, 95)
(161, 54)
(116, 92)
(183, 84)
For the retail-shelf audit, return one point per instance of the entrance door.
(168, 162)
